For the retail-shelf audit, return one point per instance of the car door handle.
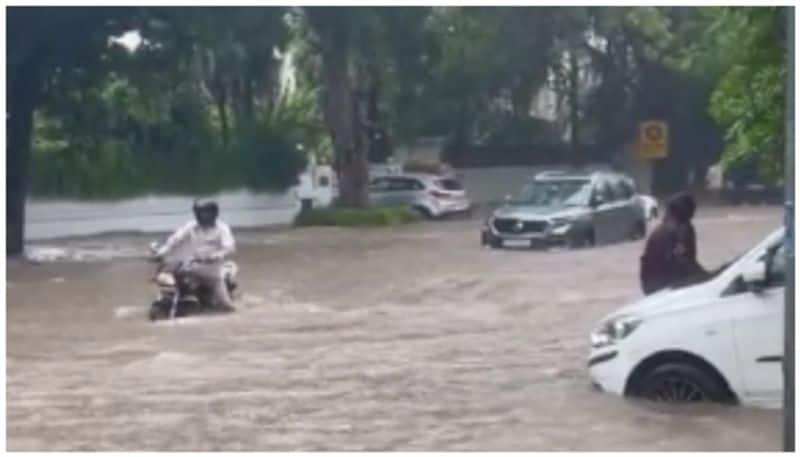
(770, 359)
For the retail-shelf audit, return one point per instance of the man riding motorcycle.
(209, 241)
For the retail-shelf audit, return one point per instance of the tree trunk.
(341, 119)
(379, 145)
(574, 106)
(23, 90)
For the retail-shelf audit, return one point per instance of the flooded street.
(411, 338)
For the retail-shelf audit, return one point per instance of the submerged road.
(410, 338)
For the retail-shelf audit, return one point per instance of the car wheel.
(495, 242)
(680, 383)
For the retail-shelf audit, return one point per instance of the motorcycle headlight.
(614, 330)
(165, 280)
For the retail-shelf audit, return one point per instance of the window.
(604, 192)
(379, 185)
(405, 184)
(776, 266)
(552, 192)
(624, 189)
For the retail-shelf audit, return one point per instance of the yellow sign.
(653, 139)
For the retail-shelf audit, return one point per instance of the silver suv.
(568, 208)
(431, 195)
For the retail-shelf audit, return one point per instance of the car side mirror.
(754, 276)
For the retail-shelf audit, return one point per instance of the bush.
(353, 217)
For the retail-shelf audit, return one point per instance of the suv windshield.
(571, 192)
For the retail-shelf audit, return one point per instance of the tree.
(112, 122)
(43, 40)
(229, 52)
(749, 99)
(482, 84)
(638, 64)
(335, 30)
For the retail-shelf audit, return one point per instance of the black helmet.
(205, 212)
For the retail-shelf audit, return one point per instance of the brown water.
(388, 339)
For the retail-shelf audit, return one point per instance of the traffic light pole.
(788, 349)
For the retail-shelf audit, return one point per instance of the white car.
(721, 340)
(432, 195)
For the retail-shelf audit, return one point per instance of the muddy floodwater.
(412, 338)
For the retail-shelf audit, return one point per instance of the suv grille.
(504, 225)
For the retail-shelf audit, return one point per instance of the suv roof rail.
(546, 173)
(567, 174)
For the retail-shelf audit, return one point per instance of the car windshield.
(704, 276)
(572, 192)
(708, 276)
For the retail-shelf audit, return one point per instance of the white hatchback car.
(721, 340)
(432, 195)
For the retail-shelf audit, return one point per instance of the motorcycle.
(180, 294)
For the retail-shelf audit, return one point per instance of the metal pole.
(788, 338)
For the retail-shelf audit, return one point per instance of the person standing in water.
(670, 255)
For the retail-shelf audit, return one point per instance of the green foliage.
(199, 106)
(744, 48)
(485, 67)
(113, 142)
(352, 217)
(749, 99)
(195, 109)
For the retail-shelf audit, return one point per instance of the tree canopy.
(225, 97)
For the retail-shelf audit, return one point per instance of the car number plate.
(517, 243)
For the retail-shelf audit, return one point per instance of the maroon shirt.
(670, 257)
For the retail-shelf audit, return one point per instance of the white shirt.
(208, 243)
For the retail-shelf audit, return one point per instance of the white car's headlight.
(614, 330)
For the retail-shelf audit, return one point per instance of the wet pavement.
(411, 338)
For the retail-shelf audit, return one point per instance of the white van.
(318, 186)
(721, 340)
